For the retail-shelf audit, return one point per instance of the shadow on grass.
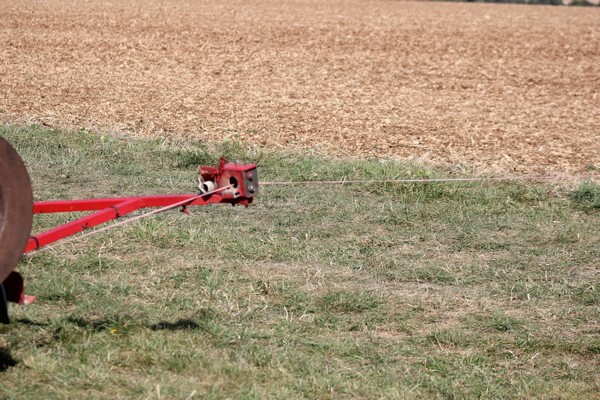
(181, 325)
(109, 323)
(27, 321)
(6, 360)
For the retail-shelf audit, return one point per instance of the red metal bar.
(45, 207)
(126, 206)
(235, 183)
(229, 183)
(108, 209)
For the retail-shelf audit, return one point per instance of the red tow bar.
(229, 183)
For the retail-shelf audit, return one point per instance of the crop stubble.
(495, 87)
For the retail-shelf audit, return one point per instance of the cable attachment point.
(239, 179)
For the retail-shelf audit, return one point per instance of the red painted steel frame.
(235, 184)
(109, 209)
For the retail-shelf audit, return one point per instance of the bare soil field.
(491, 87)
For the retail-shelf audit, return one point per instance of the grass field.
(376, 291)
(453, 290)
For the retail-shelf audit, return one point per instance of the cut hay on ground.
(498, 87)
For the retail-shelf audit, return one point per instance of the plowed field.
(495, 87)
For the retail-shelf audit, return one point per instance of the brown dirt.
(495, 87)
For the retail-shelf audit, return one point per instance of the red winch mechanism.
(231, 183)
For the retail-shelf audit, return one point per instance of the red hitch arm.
(229, 183)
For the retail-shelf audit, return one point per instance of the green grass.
(375, 291)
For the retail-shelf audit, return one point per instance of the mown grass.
(375, 291)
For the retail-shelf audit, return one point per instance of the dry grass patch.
(484, 86)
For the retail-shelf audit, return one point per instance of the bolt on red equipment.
(231, 183)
